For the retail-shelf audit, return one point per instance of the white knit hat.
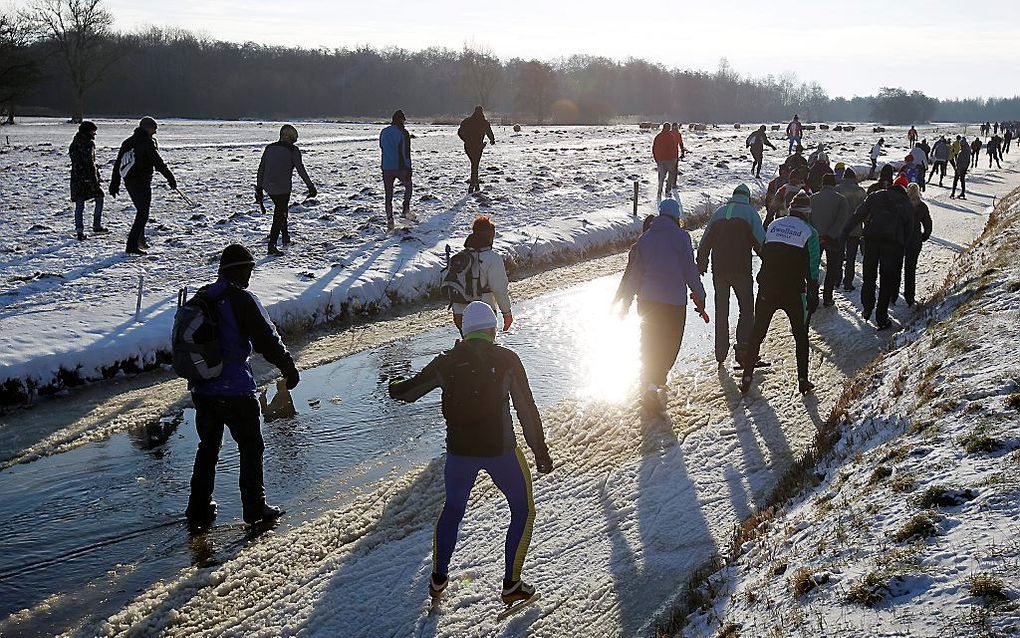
(478, 316)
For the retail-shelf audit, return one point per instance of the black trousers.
(742, 286)
(883, 263)
(474, 154)
(960, 177)
(141, 197)
(912, 252)
(281, 208)
(938, 167)
(756, 164)
(240, 414)
(833, 267)
(850, 260)
(794, 304)
(662, 331)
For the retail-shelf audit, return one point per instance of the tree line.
(64, 56)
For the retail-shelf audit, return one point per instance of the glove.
(543, 463)
(507, 320)
(114, 190)
(293, 378)
(173, 182)
(812, 297)
(259, 194)
(312, 191)
(393, 382)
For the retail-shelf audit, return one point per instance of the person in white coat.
(493, 285)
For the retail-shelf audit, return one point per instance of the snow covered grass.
(912, 526)
(557, 194)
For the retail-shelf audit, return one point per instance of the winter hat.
(671, 208)
(87, 127)
(850, 174)
(901, 180)
(742, 192)
(840, 166)
(801, 205)
(235, 255)
(147, 122)
(910, 158)
(829, 179)
(478, 316)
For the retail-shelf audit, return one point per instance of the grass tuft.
(989, 588)
(978, 440)
(879, 474)
(921, 525)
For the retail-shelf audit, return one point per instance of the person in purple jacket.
(660, 270)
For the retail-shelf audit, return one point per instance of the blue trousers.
(512, 476)
(79, 214)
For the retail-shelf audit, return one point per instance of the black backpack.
(473, 399)
(194, 342)
(461, 282)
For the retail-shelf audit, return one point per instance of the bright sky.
(946, 48)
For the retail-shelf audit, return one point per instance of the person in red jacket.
(666, 152)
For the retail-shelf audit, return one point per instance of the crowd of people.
(814, 211)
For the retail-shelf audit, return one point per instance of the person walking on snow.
(679, 137)
(940, 156)
(830, 211)
(395, 144)
(961, 166)
(911, 137)
(478, 380)
(886, 215)
(275, 178)
(876, 151)
(660, 271)
(666, 153)
(794, 133)
(733, 232)
(787, 281)
(488, 271)
(229, 400)
(855, 196)
(473, 131)
(85, 184)
(137, 159)
(920, 231)
(757, 142)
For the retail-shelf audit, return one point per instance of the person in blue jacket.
(660, 270)
(733, 232)
(395, 143)
(229, 400)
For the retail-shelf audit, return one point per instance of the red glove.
(507, 320)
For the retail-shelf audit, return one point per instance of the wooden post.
(138, 304)
(635, 197)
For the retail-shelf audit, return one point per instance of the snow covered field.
(914, 529)
(634, 507)
(67, 309)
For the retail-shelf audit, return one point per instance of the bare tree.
(482, 72)
(82, 32)
(535, 84)
(19, 68)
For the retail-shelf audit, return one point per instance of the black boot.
(201, 518)
(264, 513)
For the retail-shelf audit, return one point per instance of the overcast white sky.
(947, 48)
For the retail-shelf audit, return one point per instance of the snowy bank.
(912, 522)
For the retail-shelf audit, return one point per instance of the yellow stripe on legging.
(522, 546)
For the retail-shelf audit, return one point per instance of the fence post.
(635, 197)
(138, 303)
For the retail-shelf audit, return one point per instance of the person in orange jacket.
(666, 152)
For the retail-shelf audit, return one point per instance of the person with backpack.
(920, 231)
(666, 154)
(473, 131)
(660, 271)
(855, 196)
(940, 158)
(85, 183)
(479, 379)
(733, 232)
(757, 142)
(787, 281)
(794, 133)
(137, 159)
(886, 215)
(214, 335)
(478, 273)
(960, 170)
(395, 143)
(829, 213)
(876, 151)
(275, 178)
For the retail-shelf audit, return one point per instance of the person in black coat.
(920, 231)
(85, 179)
(473, 131)
(142, 153)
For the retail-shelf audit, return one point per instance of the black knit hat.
(147, 122)
(87, 127)
(236, 255)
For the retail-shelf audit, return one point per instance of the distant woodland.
(62, 56)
